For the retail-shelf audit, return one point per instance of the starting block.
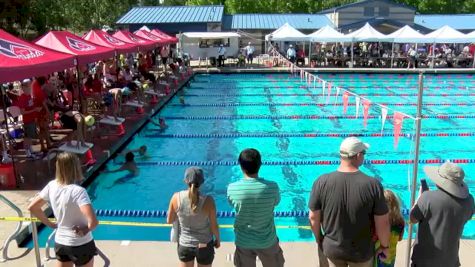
(109, 120)
(151, 92)
(134, 103)
(74, 149)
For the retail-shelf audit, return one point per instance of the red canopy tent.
(20, 59)
(159, 33)
(66, 42)
(104, 39)
(131, 38)
(149, 36)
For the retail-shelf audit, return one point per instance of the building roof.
(380, 21)
(172, 14)
(363, 2)
(274, 21)
(458, 22)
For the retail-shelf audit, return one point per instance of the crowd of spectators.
(69, 99)
(355, 222)
(366, 54)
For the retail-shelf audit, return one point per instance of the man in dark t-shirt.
(349, 207)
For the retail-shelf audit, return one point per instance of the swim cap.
(89, 120)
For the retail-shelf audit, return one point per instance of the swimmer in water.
(161, 122)
(141, 151)
(129, 165)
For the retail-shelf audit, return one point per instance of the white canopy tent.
(365, 33)
(446, 34)
(287, 33)
(328, 34)
(406, 35)
(144, 28)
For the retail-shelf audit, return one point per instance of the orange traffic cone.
(139, 110)
(182, 76)
(167, 89)
(90, 160)
(154, 99)
(121, 129)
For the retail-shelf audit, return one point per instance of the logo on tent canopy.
(113, 40)
(133, 38)
(20, 51)
(79, 45)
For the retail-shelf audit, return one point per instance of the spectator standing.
(43, 115)
(254, 199)
(75, 217)
(441, 215)
(221, 55)
(196, 215)
(291, 53)
(28, 111)
(250, 52)
(345, 204)
(164, 55)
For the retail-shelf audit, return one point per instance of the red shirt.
(39, 97)
(26, 102)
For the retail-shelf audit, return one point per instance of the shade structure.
(287, 33)
(471, 36)
(366, 33)
(328, 34)
(151, 37)
(406, 35)
(20, 59)
(128, 37)
(159, 33)
(210, 35)
(447, 34)
(104, 39)
(66, 42)
(145, 28)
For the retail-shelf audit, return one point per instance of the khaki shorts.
(342, 263)
(270, 257)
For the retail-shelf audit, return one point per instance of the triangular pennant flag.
(329, 87)
(397, 121)
(345, 101)
(357, 104)
(366, 105)
(384, 115)
(314, 82)
(323, 87)
(337, 94)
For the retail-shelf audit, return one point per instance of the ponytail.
(193, 194)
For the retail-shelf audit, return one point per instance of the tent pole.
(351, 63)
(433, 56)
(416, 163)
(310, 54)
(79, 89)
(392, 55)
(5, 117)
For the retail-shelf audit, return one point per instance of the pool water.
(210, 96)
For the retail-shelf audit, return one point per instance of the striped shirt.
(254, 200)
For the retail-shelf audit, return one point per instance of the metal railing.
(12, 237)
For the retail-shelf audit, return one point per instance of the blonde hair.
(194, 194)
(68, 169)
(395, 216)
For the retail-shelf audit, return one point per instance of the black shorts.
(204, 256)
(164, 60)
(79, 255)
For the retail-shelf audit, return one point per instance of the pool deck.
(36, 175)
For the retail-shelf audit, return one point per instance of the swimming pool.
(292, 125)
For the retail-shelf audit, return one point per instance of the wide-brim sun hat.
(449, 177)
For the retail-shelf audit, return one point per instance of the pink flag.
(397, 121)
(366, 104)
(345, 101)
(329, 86)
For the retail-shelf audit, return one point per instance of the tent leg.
(392, 55)
(351, 63)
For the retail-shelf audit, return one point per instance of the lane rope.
(300, 162)
(308, 135)
(307, 117)
(294, 94)
(312, 104)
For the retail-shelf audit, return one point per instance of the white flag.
(384, 114)
(358, 100)
(314, 82)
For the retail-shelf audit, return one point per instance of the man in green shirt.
(254, 200)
